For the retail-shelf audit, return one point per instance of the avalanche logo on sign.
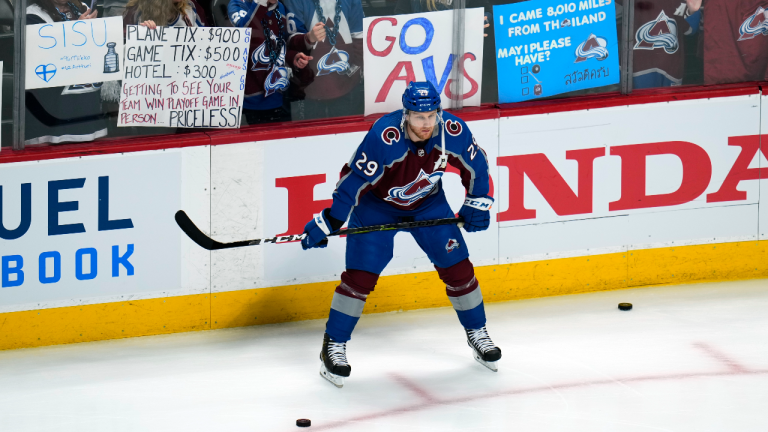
(451, 245)
(661, 33)
(755, 25)
(415, 190)
(593, 47)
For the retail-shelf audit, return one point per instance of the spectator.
(62, 114)
(272, 52)
(735, 40)
(337, 57)
(114, 8)
(659, 51)
(170, 13)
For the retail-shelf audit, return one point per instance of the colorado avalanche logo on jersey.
(453, 127)
(390, 135)
(451, 245)
(756, 24)
(276, 80)
(335, 61)
(661, 33)
(593, 47)
(415, 190)
(260, 57)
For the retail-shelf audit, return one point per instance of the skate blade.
(336, 380)
(490, 365)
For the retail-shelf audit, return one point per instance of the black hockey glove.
(475, 212)
(318, 229)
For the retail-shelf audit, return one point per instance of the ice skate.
(485, 352)
(333, 361)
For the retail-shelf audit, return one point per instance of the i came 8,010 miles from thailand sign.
(550, 47)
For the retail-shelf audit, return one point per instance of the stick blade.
(193, 232)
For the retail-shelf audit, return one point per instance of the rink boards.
(590, 200)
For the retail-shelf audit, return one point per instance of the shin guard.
(463, 290)
(348, 303)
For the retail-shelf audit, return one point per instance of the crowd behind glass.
(710, 49)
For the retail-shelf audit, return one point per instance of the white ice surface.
(686, 358)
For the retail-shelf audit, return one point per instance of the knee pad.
(459, 278)
(357, 283)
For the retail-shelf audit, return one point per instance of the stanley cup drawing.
(111, 61)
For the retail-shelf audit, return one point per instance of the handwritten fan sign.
(73, 52)
(184, 77)
(417, 47)
(549, 47)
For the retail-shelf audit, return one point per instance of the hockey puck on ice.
(625, 306)
(303, 422)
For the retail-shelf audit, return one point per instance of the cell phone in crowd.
(93, 5)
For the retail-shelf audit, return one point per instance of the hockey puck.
(536, 69)
(303, 422)
(625, 306)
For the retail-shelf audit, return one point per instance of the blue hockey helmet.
(421, 97)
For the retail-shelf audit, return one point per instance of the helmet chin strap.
(442, 161)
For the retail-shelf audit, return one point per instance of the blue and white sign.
(74, 52)
(549, 47)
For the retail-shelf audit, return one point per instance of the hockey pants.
(368, 254)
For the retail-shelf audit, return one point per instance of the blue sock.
(474, 318)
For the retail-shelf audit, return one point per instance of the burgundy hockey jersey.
(658, 45)
(389, 166)
(262, 76)
(735, 41)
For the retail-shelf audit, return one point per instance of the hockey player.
(395, 176)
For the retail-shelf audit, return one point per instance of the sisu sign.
(417, 47)
(73, 52)
(13, 265)
(548, 47)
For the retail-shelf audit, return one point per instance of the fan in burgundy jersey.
(736, 42)
(659, 51)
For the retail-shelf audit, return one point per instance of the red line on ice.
(729, 362)
(412, 386)
(430, 401)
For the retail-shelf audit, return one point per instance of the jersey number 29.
(372, 166)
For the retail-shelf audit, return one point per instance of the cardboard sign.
(548, 47)
(184, 77)
(74, 52)
(418, 47)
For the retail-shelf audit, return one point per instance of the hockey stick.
(197, 236)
